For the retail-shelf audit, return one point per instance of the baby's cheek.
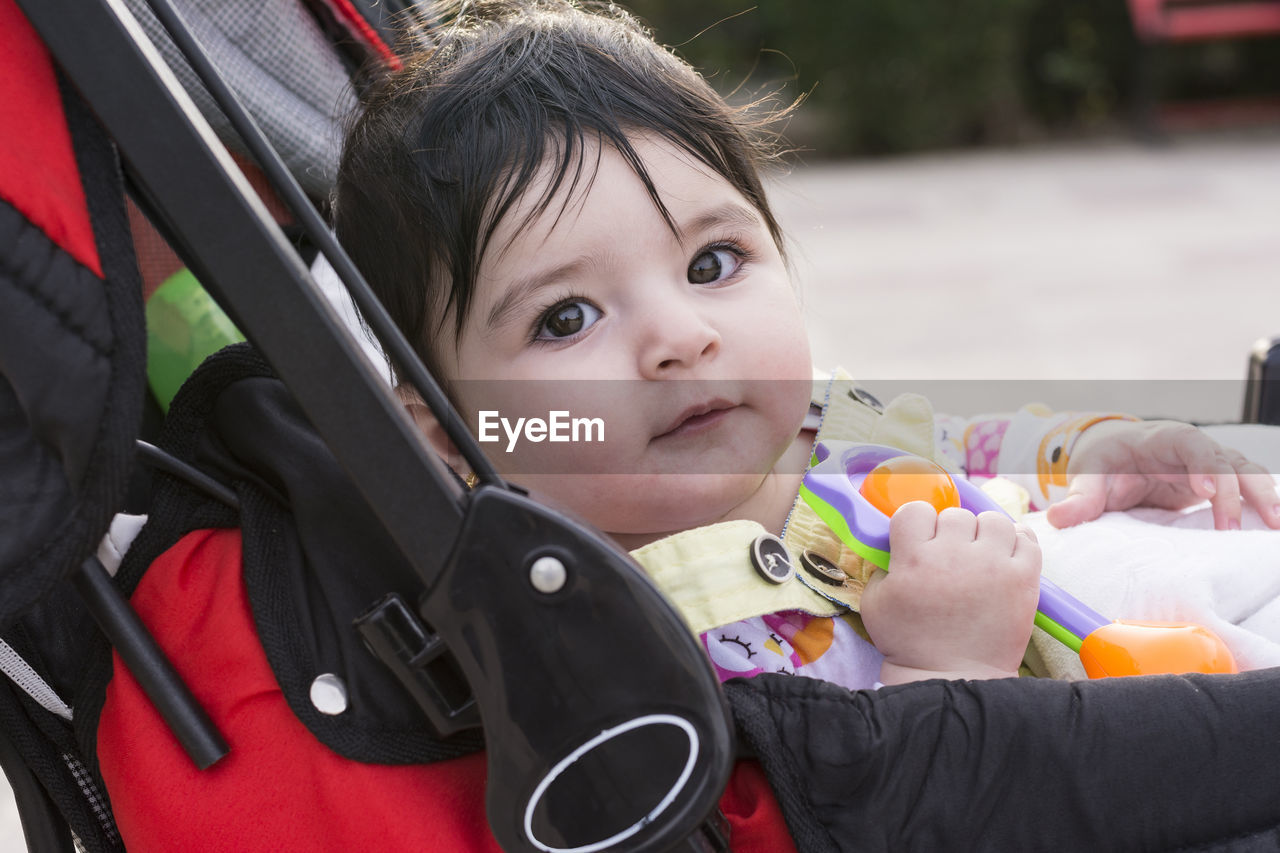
(777, 355)
(526, 456)
(612, 443)
(789, 341)
(656, 503)
(611, 502)
(783, 403)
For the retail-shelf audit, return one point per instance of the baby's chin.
(638, 508)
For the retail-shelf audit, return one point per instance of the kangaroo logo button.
(771, 559)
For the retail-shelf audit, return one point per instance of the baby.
(564, 217)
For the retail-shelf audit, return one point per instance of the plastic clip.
(420, 659)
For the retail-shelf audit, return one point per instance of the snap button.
(867, 399)
(329, 694)
(771, 559)
(822, 568)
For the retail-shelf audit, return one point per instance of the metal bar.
(235, 248)
(389, 335)
(1256, 378)
(148, 664)
(161, 461)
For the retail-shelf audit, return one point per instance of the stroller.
(417, 656)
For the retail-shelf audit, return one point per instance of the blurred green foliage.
(887, 76)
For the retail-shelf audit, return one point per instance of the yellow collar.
(707, 572)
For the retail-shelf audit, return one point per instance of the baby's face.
(689, 347)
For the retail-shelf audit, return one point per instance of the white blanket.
(1152, 564)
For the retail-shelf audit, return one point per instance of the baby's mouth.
(697, 419)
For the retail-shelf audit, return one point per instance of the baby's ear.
(428, 425)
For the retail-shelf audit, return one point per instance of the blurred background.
(882, 77)
(1010, 200)
(1000, 201)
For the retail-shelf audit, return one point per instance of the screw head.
(548, 575)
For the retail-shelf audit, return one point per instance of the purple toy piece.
(837, 479)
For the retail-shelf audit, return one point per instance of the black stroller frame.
(536, 750)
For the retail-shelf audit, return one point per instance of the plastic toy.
(855, 488)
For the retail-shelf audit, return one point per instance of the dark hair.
(445, 147)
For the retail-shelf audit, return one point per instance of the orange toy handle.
(1154, 648)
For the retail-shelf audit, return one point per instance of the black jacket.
(1166, 763)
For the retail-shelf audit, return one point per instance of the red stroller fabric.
(37, 162)
(280, 788)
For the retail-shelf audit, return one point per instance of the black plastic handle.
(605, 724)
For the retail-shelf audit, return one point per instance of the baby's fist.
(959, 598)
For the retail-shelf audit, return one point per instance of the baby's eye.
(567, 319)
(713, 265)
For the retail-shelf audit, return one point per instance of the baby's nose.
(678, 342)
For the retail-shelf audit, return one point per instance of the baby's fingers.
(996, 531)
(1026, 544)
(1258, 488)
(1211, 475)
(912, 523)
(1225, 500)
(1086, 499)
(1027, 559)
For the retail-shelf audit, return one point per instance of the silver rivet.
(548, 575)
(329, 694)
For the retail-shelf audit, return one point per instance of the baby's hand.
(959, 598)
(1117, 464)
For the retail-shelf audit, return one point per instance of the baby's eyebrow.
(730, 214)
(718, 217)
(524, 289)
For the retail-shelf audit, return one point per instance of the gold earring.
(472, 480)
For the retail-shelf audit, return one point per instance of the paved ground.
(958, 274)
(1105, 261)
